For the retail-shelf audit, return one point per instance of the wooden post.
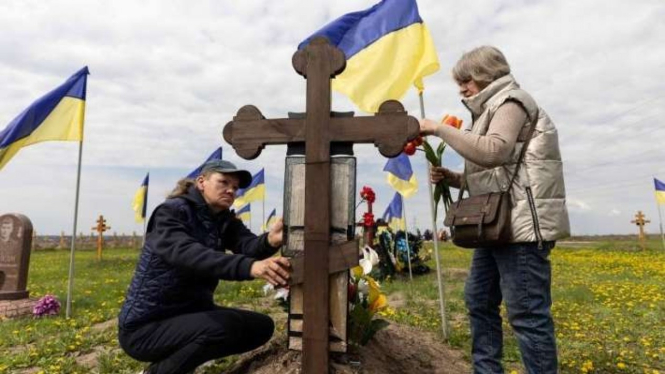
(640, 222)
(250, 132)
(62, 240)
(100, 228)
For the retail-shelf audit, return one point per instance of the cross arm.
(250, 132)
(343, 256)
(389, 129)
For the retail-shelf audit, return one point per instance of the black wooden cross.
(250, 132)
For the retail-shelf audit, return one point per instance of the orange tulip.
(452, 121)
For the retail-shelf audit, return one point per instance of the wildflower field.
(609, 308)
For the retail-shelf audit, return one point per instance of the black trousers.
(179, 344)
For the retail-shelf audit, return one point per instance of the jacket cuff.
(245, 269)
(266, 245)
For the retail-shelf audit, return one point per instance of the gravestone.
(15, 247)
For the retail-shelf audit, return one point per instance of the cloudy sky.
(167, 75)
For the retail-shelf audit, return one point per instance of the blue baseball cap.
(226, 167)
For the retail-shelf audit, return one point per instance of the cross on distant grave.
(250, 132)
(100, 228)
(640, 222)
(62, 240)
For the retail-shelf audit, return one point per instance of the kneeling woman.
(169, 318)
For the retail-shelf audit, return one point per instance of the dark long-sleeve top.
(184, 258)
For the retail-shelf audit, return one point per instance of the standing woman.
(518, 272)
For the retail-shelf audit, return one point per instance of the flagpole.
(73, 247)
(145, 218)
(406, 237)
(439, 275)
(660, 216)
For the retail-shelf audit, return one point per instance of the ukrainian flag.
(393, 214)
(140, 203)
(244, 214)
(660, 191)
(388, 48)
(401, 176)
(58, 115)
(272, 217)
(216, 155)
(254, 192)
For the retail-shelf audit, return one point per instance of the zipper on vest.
(534, 217)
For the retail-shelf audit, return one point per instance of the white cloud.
(167, 76)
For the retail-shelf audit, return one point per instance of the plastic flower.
(368, 194)
(46, 306)
(368, 219)
(282, 293)
(370, 258)
(379, 303)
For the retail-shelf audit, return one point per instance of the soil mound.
(396, 349)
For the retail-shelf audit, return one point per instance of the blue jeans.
(521, 275)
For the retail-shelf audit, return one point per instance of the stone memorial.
(15, 245)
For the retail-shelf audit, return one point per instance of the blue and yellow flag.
(272, 217)
(140, 203)
(401, 176)
(660, 191)
(254, 192)
(58, 115)
(393, 215)
(388, 48)
(244, 213)
(216, 155)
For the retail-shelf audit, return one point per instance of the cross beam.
(250, 132)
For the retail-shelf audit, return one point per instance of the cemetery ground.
(609, 309)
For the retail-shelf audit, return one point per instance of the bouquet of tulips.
(441, 190)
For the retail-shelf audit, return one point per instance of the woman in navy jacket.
(169, 317)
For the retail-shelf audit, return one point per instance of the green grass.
(609, 309)
(53, 343)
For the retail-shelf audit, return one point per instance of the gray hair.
(483, 65)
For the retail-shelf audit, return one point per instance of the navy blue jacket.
(184, 258)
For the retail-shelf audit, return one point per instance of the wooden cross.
(100, 228)
(640, 222)
(250, 132)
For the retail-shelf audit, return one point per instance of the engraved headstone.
(15, 246)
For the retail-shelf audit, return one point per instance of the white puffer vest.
(539, 197)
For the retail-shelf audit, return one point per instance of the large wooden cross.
(250, 132)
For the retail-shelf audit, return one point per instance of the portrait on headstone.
(9, 239)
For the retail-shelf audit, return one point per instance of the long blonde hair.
(183, 185)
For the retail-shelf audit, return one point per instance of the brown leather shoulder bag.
(484, 220)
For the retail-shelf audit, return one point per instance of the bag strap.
(525, 145)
